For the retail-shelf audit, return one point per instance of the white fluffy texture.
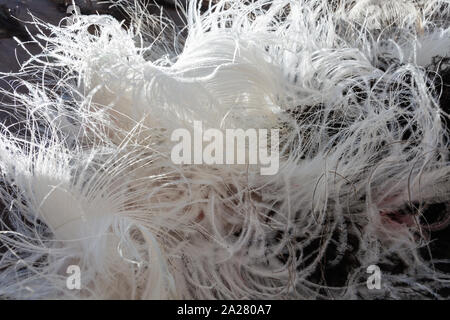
(89, 179)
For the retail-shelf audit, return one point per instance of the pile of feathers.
(358, 89)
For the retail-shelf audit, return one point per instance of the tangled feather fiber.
(358, 89)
